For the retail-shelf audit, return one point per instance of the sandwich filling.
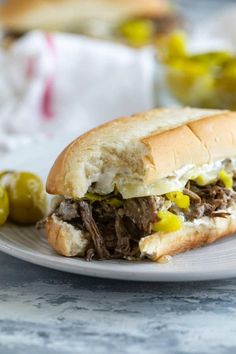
(141, 30)
(115, 225)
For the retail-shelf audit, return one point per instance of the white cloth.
(54, 83)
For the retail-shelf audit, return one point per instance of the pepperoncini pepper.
(4, 205)
(226, 179)
(168, 222)
(27, 198)
(137, 32)
(92, 197)
(172, 47)
(205, 80)
(201, 181)
(115, 202)
(180, 199)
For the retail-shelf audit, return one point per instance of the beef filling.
(142, 211)
(92, 227)
(213, 200)
(116, 230)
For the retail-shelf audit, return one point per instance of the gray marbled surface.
(46, 311)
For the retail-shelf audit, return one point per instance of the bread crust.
(158, 245)
(64, 238)
(217, 134)
(152, 145)
(27, 15)
(169, 150)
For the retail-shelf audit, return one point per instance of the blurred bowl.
(206, 80)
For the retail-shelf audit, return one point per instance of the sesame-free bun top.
(142, 150)
(24, 15)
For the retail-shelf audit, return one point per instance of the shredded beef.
(123, 237)
(91, 226)
(220, 214)
(103, 212)
(132, 228)
(68, 210)
(90, 254)
(115, 231)
(104, 216)
(108, 233)
(197, 211)
(192, 195)
(142, 211)
(213, 198)
(163, 24)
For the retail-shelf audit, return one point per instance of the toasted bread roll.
(142, 149)
(24, 15)
(65, 239)
(192, 235)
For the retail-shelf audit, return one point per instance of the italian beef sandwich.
(146, 186)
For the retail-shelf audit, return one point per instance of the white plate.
(216, 261)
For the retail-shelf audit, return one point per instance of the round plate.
(216, 261)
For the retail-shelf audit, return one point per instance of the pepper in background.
(206, 80)
(134, 22)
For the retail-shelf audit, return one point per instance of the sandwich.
(146, 186)
(135, 22)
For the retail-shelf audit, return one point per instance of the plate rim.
(35, 257)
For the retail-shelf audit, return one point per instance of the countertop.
(45, 311)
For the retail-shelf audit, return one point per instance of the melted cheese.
(177, 181)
